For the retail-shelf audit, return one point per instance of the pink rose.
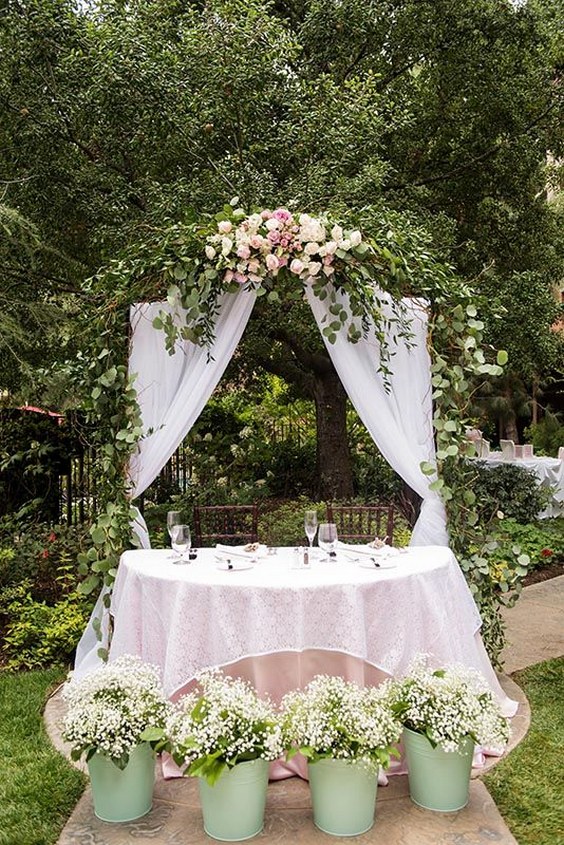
(274, 237)
(266, 214)
(327, 260)
(282, 260)
(272, 262)
(297, 266)
(257, 241)
(240, 278)
(282, 214)
(225, 226)
(228, 277)
(253, 266)
(243, 251)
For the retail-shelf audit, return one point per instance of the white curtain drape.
(399, 419)
(172, 391)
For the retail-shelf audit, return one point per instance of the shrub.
(546, 436)
(37, 634)
(41, 554)
(508, 488)
(542, 541)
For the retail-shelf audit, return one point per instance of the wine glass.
(310, 526)
(172, 518)
(327, 538)
(180, 541)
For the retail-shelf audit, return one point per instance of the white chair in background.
(528, 450)
(483, 448)
(519, 451)
(507, 449)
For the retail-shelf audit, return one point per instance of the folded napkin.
(229, 564)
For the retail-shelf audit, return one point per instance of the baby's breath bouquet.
(448, 705)
(334, 718)
(221, 723)
(114, 708)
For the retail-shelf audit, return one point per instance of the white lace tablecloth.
(549, 472)
(189, 617)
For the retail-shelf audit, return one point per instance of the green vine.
(192, 265)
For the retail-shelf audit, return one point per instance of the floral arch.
(398, 325)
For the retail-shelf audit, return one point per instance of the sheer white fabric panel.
(172, 390)
(400, 420)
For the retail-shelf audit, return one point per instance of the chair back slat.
(363, 523)
(225, 523)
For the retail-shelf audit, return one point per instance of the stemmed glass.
(310, 526)
(180, 541)
(327, 538)
(172, 518)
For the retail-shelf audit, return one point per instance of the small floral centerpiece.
(449, 705)
(113, 709)
(334, 718)
(222, 723)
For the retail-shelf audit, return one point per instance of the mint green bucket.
(121, 795)
(438, 780)
(343, 795)
(233, 808)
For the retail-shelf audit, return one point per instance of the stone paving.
(535, 633)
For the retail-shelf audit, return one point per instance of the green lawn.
(38, 788)
(528, 787)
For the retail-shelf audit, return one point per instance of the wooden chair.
(236, 524)
(362, 523)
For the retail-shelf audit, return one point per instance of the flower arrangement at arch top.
(114, 708)
(248, 249)
(449, 704)
(334, 718)
(223, 723)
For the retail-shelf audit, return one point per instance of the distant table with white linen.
(279, 626)
(549, 472)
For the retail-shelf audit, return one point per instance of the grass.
(528, 787)
(38, 788)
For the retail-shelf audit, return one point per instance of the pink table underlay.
(279, 627)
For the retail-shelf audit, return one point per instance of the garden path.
(535, 633)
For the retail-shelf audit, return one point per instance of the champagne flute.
(310, 526)
(327, 538)
(180, 541)
(172, 518)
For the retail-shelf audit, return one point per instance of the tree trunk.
(333, 458)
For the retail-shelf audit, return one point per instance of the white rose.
(226, 246)
(329, 270)
(345, 244)
(311, 248)
(311, 229)
(355, 237)
(272, 223)
(314, 268)
(210, 252)
(225, 226)
(337, 233)
(297, 266)
(271, 262)
(254, 221)
(330, 247)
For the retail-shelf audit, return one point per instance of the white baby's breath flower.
(109, 708)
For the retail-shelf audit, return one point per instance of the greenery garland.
(195, 262)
